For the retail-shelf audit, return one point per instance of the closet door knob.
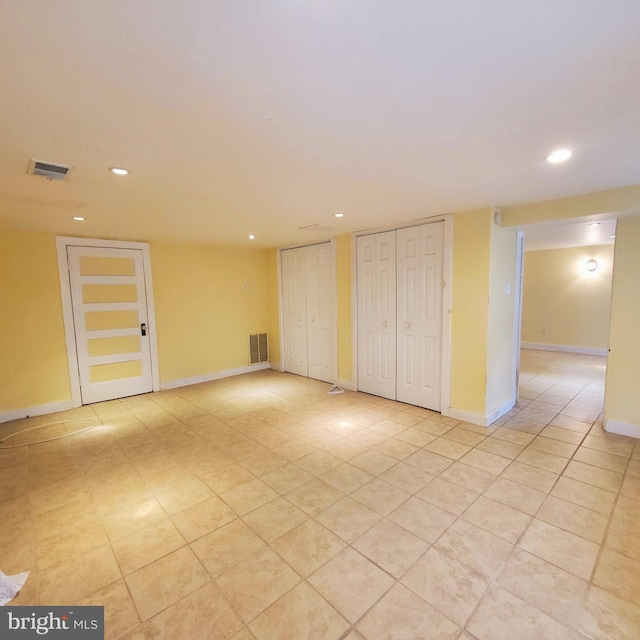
(407, 325)
(384, 324)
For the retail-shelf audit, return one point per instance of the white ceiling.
(262, 116)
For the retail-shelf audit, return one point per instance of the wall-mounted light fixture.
(592, 264)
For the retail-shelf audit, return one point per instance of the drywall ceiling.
(240, 117)
(562, 235)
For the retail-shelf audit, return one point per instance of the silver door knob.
(406, 325)
(384, 324)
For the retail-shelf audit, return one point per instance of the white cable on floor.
(42, 426)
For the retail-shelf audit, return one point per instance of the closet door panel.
(295, 311)
(376, 269)
(420, 252)
(319, 312)
(432, 251)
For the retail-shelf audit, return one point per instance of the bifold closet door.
(376, 272)
(399, 277)
(307, 295)
(319, 312)
(295, 310)
(419, 279)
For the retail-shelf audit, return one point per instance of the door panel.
(308, 303)
(320, 312)
(376, 273)
(109, 306)
(295, 319)
(420, 257)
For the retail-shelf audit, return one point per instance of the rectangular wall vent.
(258, 349)
(49, 170)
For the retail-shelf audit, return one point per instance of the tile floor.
(260, 508)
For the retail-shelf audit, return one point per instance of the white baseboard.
(541, 346)
(622, 428)
(500, 411)
(477, 418)
(347, 385)
(466, 416)
(40, 410)
(216, 375)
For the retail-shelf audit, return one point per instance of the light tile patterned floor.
(258, 507)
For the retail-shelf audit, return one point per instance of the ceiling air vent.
(49, 170)
(319, 228)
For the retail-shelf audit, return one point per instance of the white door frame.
(334, 302)
(447, 301)
(62, 243)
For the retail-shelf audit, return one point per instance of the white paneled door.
(400, 314)
(307, 300)
(376, 267)
(295, 310)
(111, 322)
(419, 252)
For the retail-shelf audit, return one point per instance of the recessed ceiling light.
(119, 171)
(559, 155)
(252, 237)
(78, 218)
(594, 224)
(339, 215)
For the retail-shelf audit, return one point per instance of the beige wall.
(469, 313)
(203, 314)
(566, 300)
(33, 354)
(611, 201)
(622, 398)
(501, 338)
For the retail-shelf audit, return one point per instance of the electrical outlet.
(245, 286)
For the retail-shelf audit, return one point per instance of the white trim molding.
(39, 410)
(496, 414)
(216, 375)
(565, 348)
(466, 416)
(622, 428)
(477, 418)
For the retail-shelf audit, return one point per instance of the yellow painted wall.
(561, 296)
(622, 397)
(33, 355)
(273, 317)
(471, 243)
(587, 204)
(203, 314)
(501, 319)
(343, 276)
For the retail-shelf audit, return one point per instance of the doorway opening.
(564, 325)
